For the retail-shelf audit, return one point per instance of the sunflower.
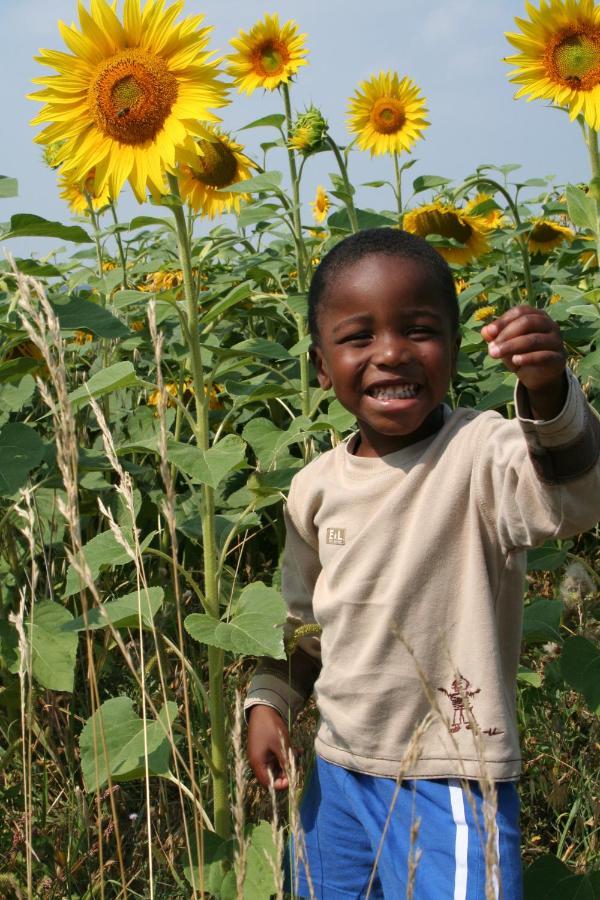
(451, 223)
(484, 313)
(320, 205)
(491, 218)
(217, 163)
(129, 95)
(77, 194)
(187, 392)
(309, 131)
(267, 55)
(388, 115)
(545, 235)
(559, 56)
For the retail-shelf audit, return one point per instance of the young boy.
(407, 544)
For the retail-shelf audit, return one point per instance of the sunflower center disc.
(217, 167)
(270, 58)
(577, 59)
(387, 116)
(543, 233)
(449, 225)
(131, 96)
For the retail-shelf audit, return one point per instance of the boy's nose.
(393, 350)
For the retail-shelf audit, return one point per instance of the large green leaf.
(21, 450)
(103, 551)
(112, 742)
(9, 187)
(550, 879)
(203, 467)
(266, 181)
(426, 182)
(218, 873)
(261, 348)
(113, 378)
(580, 666)
(254, 628)
(582, 209)
(541, 620)
(123, 612)
(28, 225)
(79, 313)
(546, 558)
(53, 650)
(268, 441)
(13, 397)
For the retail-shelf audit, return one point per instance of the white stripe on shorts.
(461, 846)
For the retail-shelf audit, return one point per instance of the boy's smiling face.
(387, 348)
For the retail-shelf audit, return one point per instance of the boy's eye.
(362, 336)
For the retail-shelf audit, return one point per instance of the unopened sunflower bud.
(50, 154)
(309, 131)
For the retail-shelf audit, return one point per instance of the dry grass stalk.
(297, 832)
(277, 832)
(241, 854)
(168, 511)
(486, 782)
(410, 757)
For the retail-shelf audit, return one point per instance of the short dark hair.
(391, 242)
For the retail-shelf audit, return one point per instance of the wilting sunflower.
(559, 56)
(320, 205)
(129, 95)
(76, 194)
(388, 116)
(267, 55)
(215, 165)
(545, 235)
(453, 224)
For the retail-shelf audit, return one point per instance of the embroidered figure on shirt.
(336, 536)
(459, 697)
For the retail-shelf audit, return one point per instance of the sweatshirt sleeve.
(538, 479)
(287, 684)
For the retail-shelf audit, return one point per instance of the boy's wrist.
(546, 403)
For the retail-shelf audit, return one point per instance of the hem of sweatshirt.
(427, 767)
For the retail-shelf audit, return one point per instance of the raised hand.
(528, 342)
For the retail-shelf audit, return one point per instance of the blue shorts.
(434, 825)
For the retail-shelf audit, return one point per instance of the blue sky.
(453, 49)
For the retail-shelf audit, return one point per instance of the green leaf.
(580, 666)
(262, 348)
(53, 651)
(252, 213)
(106, 381)
(268, 441)
(366, 219)
(37, 269)
(103, 551)
(145, 221)
(500, 396)
(21, 450)
(14, 397)
(527, 676)
(266, 181)
(9, 187)
(550, 879)
(254, 628)
(275, 120)
(28, 225)
(122, 751)
(203, 467)
(123, 612)
(235, 295)
(546, 558)
(425, 182)
(541, 621)
(15, 369)
(582, 209)
(92, 317)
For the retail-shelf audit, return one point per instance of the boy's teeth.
(395, 392)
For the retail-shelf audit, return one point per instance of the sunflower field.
(157, 397)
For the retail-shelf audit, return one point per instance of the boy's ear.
(316, 357)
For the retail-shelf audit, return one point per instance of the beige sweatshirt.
(413, 565)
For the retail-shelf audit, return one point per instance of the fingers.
(525, 336)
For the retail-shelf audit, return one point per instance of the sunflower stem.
(221, 817)
(521, 241)
(398, 191)
(103, 294)
(349, 190)
(301, 265)
(120, 247)
(591, 139)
